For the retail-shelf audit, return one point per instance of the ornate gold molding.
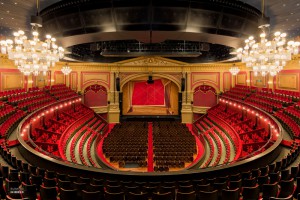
(100, 109)
(200, 109)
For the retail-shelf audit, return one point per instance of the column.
(113, 99)
(187, 109)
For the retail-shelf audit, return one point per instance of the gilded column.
(113, 98)
(186, 111)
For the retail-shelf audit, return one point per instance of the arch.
(204, 95)
(208, 84)
(134, 76)
(95, 95)
(93, 82)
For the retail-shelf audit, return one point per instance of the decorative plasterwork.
(201, 110)
(100, 109)
(151, 61)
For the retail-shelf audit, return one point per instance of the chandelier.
(234, 70)
(66, 70)
(267, 56)
(32, 56)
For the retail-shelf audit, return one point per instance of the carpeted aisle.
(150, 147)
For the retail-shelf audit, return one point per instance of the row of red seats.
(272, 103)
(293, 110)
(5, 110)
(288, 123)
(230, 132)
(11, 92)
(266, 107)
(82, 142)
(234, 95)
(211, 149)
(40, 99)
(91, 139)
(38, 105)
(217, 141)
(225, 140)
(243, 128)
(77, 136)
(68, 132)
(74, 139)
(6, 126)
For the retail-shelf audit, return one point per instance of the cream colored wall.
(85, 74)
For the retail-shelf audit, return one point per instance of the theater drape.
(148, 94)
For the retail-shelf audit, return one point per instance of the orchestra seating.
(173, 144)
(127, 144)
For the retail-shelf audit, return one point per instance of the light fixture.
(32, 56)
(234, 70)
(267, 56)
(66, 70)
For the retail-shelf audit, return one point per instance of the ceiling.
(15, 14)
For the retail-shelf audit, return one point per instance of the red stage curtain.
(148, 94)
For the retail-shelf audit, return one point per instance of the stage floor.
(150, 110)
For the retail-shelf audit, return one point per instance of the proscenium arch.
(132, 77)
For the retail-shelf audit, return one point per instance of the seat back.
(186, 196)
(213, 195)
(162, 196)
(251, 193)
(286, 188)
(231, 194)
(48, 193)
(88, 195)
(65, 194)
(113, 196)
(270, 190)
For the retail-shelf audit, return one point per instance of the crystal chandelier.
(32, 56)
(267, 56)
(66, 70)
(234, 70)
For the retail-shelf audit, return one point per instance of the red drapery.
(205, 95)
(95, 95)
(148, 94)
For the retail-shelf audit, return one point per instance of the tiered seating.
(7, 126)
(127, 144)
(77, 137)
(288, 94)
(68, 134)
(253, 137)
(90, 141)
(11, 92)
(239, 92)
(211, 154)
(62, 92)
(48, 134)
(173, 145)
(288, 123)
(264, 102)
(217, 137)
(219, 147)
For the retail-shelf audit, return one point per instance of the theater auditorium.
(150, 99)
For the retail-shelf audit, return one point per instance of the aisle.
(150, 147)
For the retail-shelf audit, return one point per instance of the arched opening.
(205, 96)
(95, 95)
(142, 96)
